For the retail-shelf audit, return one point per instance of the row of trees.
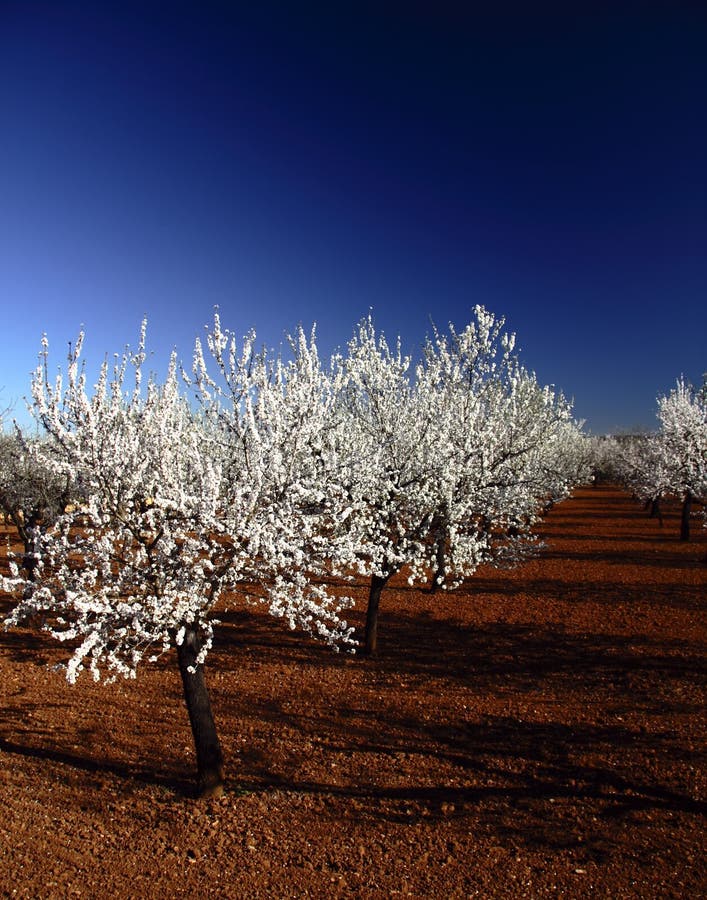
(142, 502)
(671, 462)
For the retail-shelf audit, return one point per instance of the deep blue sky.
(293, 164)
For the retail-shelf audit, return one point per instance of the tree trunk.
(29, 559)
(440, 529)
(374, 596)
(685, 517)
(656, 511)
(30, 537)
(25, 530)
(440, 572)
(209, 758)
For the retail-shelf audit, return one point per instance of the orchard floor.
(537, 733)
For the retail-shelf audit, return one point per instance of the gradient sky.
(298, 163)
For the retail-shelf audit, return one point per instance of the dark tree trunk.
(28, 535)
(209, 758)
(685, 517)
(374, 596)
(29, 560)
(655, 510)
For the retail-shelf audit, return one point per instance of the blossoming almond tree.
(392, 479)
(568, 461)
(639, 463)
(32, 496)
(140, 564)
(169, 523)
(671, 461)
(503, 438)
(683, 437)
(449, 469)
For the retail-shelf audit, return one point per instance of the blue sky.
(304, 163)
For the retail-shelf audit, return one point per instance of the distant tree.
(683, 437)
(604, 450)
(32, 495)
(671, 462)
(571, 460)
(638, 462)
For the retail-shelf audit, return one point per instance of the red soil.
(537, 733)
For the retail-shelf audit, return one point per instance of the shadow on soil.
(657, 558)
(100, 767)
(537, 782)
(542, 782)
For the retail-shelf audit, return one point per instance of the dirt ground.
(537, 733)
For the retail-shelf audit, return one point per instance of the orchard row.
(145, 501)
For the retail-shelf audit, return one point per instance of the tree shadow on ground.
(537, 781)
(99, 766)
(527, 780)
(421, 645)
(529, 656)
(655, 558)
(605, 593)
(530, 776)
